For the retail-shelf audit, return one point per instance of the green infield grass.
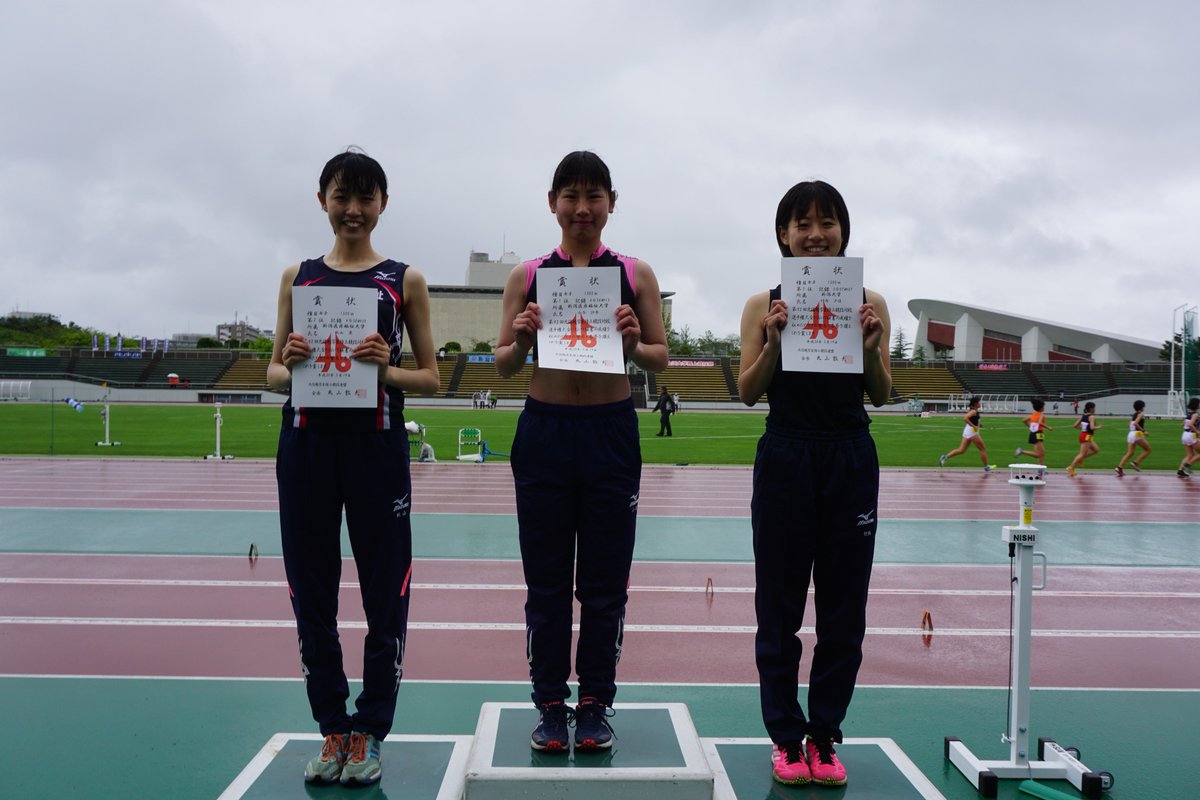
(700, 437)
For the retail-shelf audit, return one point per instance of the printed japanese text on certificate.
(334, 320)
(579, 323)
(824, 331)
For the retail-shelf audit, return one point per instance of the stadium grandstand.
(969, 350)
(972, 333)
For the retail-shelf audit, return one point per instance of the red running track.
(666, 491)
(211, 616)
(220, 616)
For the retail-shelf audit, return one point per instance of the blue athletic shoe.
(551, 734)
(592, 731)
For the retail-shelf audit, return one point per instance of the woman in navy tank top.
(356, 460)
(1087, 426)
(813, 510)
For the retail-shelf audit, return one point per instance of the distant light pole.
(1183, 354)
(1173, 314)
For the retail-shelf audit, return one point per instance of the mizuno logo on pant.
(400, 506)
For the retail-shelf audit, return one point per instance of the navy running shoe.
(551, 734)
(592, 731)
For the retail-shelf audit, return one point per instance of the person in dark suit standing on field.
(665, 408)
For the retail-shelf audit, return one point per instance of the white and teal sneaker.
(362, 764)
(327, 767)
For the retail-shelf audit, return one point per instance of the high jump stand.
(217, 455)
(1053, 761)
(104, 415)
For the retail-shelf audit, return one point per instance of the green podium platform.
(656, 754)
(414, 768)
(878, 770)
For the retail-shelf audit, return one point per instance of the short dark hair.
(1138, 405)
(796, 202)
(1038, 405)
(581, 168)
(974, 401)
(1194, 404)
(354, 171)
(1089, 406)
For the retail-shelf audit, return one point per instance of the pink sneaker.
(823, 763)
(788, 765)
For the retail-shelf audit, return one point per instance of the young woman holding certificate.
(354, 458)
(577, 463)
(813, 509)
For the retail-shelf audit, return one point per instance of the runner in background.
(1036, 422)
(1135, 439)
(1087, 426)
(970, 436)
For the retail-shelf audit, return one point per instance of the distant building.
(973, 333)
(14, 314)
(186, 341)
(483, 272)
(241, 330)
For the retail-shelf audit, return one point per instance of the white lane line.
(520, 587)
(516, 626)
(896, 592)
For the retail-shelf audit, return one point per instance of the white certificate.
(579, 319)
(334, 320)
(824, 330)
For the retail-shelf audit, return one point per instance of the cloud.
(1034, 158)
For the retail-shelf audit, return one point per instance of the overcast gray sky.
(159, 159)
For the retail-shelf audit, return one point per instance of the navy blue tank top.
(815, 401)
(387, 279)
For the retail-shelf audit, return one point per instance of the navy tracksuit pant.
(320, 472)
(577, 471)
(814, 515)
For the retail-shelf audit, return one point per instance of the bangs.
(799, 198)
(356, 173)
(583, 169)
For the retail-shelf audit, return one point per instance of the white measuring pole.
(107, 417)
(1021, 538)
(1050, 761)
(217, 416)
